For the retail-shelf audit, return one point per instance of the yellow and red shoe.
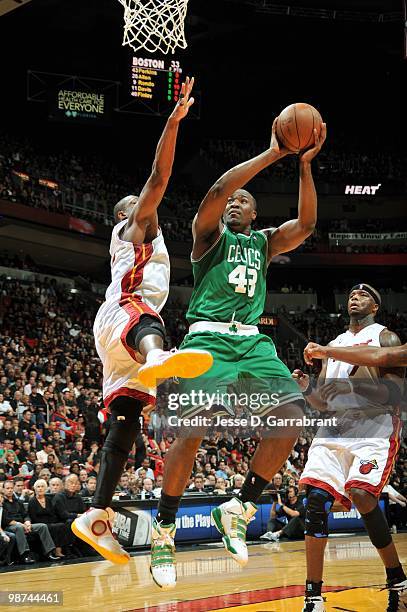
(94, 528)
(186, 363)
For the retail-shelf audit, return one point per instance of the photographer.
(287, 517)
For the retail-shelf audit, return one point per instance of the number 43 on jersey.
(244, 279)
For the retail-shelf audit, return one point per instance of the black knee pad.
(377, 527)
(147, 326)
(124, 425)
(318, 504)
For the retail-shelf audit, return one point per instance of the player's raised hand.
(314, 351)
(301, 379)
(309, 154)
(185, 101)
(275, 146)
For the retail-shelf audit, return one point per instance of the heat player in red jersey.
(353, 461)
(129, 332)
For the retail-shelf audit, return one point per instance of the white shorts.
(338, 464)
(120, 365)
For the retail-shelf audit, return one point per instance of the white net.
(154, 25)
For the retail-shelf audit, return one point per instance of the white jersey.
(361, 451)
(141, 271)
(140, 285)
(370, 336)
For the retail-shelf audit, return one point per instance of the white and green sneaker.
(163, 555)
(231, 520)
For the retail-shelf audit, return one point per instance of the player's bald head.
(124, 206)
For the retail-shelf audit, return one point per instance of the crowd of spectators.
(88, 187)
(333, 163)
(52, 423)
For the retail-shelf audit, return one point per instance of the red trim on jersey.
(135, 393)
(129, 300)
(326, 487)
(391, 458)
(132, 280)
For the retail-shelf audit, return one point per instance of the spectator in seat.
(237, 484)
(147, 490)
(69, 504)
(7, 432)
(220, 487)
(16, 520)
(148, 471)
(90, 488)
(83, 477)
(198, 484)
(42, 455)
(41, 510)
(78, 453)
(158, 485)
(20, 491)
(5, 405)
(7, 541)
(10, 466)
(27, 468)
(55, 485)
(123, 486)
(221, 471)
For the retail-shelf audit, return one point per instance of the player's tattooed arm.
(292, 233)
(389, 339)
(145, 211)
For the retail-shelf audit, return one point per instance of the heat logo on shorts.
(367, 466)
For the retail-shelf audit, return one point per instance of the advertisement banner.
(77, 103)
(366, 237)
(194, 523)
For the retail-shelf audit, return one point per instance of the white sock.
(153, 354)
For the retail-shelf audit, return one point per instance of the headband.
(370, 290)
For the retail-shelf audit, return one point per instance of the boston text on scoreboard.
(155, 86)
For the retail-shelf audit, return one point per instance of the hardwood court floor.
(209, 580)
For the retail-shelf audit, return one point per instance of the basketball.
(295, 126)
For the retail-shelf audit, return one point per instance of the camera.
(274, 494)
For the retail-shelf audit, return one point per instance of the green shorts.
(247, 377)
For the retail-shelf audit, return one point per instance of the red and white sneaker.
(94, 528)
(186, 363)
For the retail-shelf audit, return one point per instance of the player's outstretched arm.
(386, 357)
(293, 233)
(153, 191)
(207, 222)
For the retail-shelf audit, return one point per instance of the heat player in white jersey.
(354, 462)
(129, 332)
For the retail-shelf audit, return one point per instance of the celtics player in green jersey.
(230, 262)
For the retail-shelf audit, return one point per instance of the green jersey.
(230, 279)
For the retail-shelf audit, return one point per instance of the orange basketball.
(295, 126)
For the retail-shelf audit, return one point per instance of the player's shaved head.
(125, 206)
(246, 193)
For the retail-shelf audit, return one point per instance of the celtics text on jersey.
(230, 279)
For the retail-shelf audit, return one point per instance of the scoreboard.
(156, 79)
(155, 86)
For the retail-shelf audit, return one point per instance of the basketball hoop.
(154, 25)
